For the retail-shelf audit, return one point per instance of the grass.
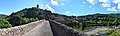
(113, 32)
(78, 28)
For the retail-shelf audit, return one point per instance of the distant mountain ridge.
(3, 15)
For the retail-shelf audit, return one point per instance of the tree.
(4, 23)
(23, 20)
(14, 20)
(27, 20)
(70, 23)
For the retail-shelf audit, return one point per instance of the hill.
(80, 23)
(85, 21)
(3, 15)
(94, 20)
(102, 19)
(34, 12)
(88, 20)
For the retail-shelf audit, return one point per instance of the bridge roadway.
(43, 29)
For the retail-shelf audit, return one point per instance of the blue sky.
(67, 7)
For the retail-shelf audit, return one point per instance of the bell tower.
(37, 6)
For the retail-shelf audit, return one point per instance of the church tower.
(37, 6)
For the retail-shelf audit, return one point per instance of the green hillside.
(79, 23)
(27, 15)
(101, 19)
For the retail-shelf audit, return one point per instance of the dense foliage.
(101, 19)
(31, 13)
(4, 23)
(113, 32)
(24, 16)
(27, 15)
(72, 24)
(15, 21)
(94, 20)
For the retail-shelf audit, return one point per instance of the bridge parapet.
(19, 30)
(59, 29)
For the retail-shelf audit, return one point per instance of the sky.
(66, 7)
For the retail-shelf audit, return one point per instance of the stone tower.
(37, 6)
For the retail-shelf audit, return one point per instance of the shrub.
(27, 20)
(15, 21)
(109, 32)
(4, 23)
(70, 23)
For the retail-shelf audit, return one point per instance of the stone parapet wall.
(59, 29)
(19, 30)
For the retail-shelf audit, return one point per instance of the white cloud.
(54, 2)
(106, 5)
(64, 0)
(81, 5)
(118, 6)
(4, 13)
(105, 1)
(67, 12)
(91, 1)
(112, 9)
(94, 3)
(83, 2)
(62, 3)
(50, 8)
(90, 6)
(116, 1)
(42, 5)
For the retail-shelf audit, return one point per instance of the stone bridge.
(41, 28)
